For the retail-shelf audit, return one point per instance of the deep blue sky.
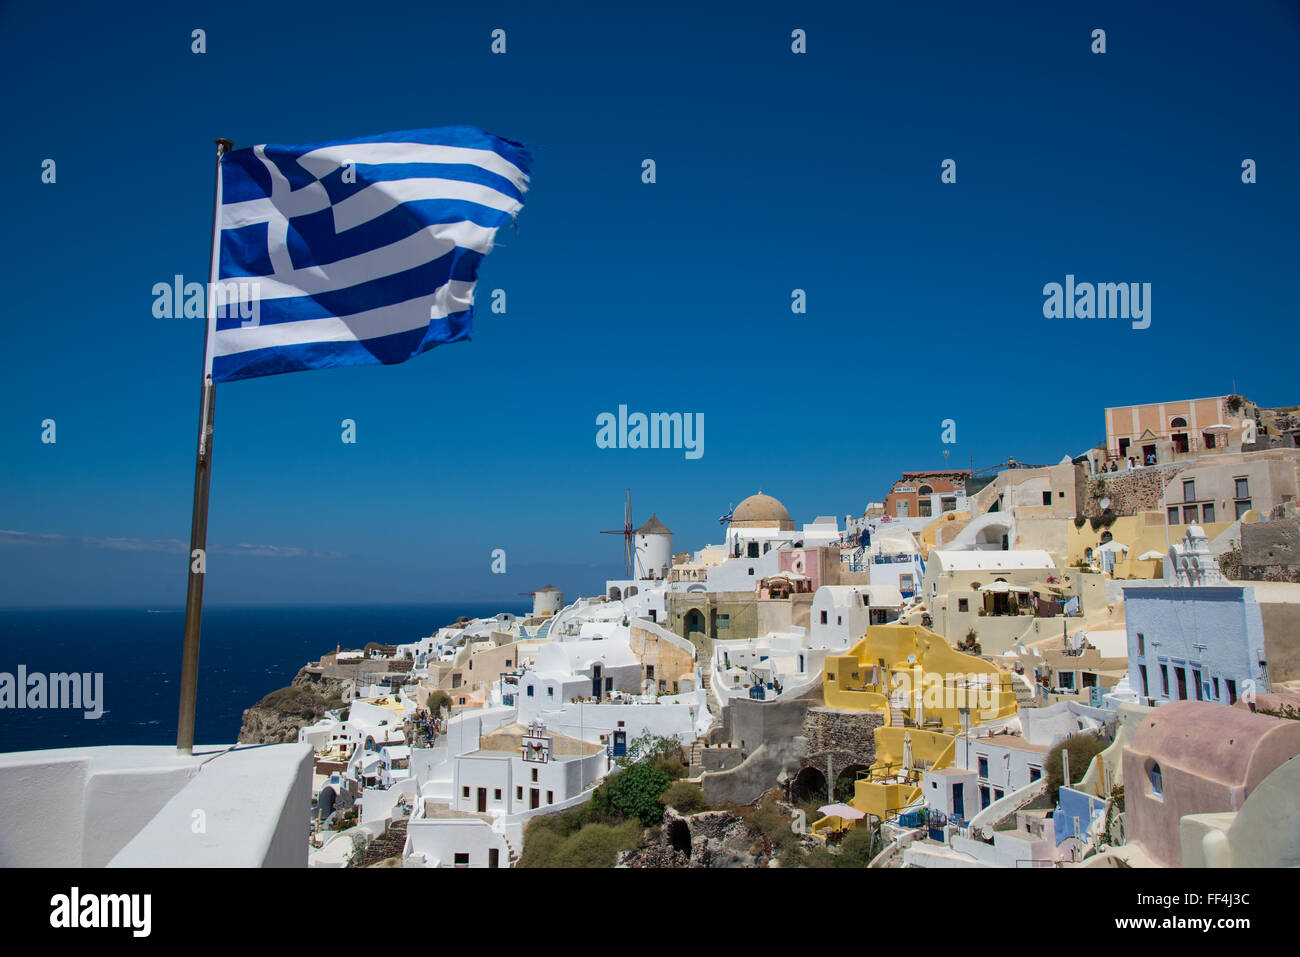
(775, 171)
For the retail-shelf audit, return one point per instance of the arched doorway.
(693, 622)
(845, 782)
(614, 593)
(808, 785)
(679, 835)
(1178, 427)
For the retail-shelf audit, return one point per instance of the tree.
(1082, 748)
(633, 792)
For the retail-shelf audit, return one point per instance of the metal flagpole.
(202, 476)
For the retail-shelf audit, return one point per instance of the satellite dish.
(1104, 503)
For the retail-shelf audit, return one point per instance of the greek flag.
(355, 252)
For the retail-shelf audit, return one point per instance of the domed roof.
(763, 510)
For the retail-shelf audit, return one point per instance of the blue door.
(959, 802)
(595, 681)
(620, 743)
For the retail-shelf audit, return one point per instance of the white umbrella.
(842, 810)
(1151, 556)
(1218, 427)
(1113, 547)
(997, 588)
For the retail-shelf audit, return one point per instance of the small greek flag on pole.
(354, 252)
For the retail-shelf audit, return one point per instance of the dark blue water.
(245, 653)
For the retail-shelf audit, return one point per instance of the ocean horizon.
(246, 651)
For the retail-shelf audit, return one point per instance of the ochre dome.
(761, 510)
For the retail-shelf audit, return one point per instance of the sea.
(245, 653)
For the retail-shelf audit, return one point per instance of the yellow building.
(927, 692)
(914, 677)
(1141, 534)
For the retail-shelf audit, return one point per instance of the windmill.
(628, 533)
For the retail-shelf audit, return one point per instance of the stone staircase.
(696, 763)
(388, 846)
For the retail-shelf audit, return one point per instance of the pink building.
(1197, 757)
(821, 564)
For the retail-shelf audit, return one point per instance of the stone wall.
(847, 737)
(1130, 492)
(1270, 551)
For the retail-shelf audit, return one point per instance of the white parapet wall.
(244, 806)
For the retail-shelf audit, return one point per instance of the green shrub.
(774, 825)
(595, 845)
(855, 849)
(1083, 747)
(437, 701)
(632, 792)
(686, 797)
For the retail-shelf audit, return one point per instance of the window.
(1164, 680)
(1173, 514)
(1216, 688)
(649, 672)
(1242, 507)
(496, 794)
(724, 621)
(984, 797)
(550, 797)
(1243, 488)
(462, 859)
(751, 571)
(1196, 682)
(963, 604)
(1035, 774)
(753, 550)
(1189, 514)
(1207, 513)
(1232, 690)
(823, 618)
(534, 775)
(1189, 491)
(464, 792)
(1047, 498)
(550, 692)
(530, 691)
(519, 792)
(983, 768)
(1142, 671)
(997, 794)
(839, 619)
(1156, 780)
(1142, 644)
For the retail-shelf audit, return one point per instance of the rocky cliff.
(277, 718)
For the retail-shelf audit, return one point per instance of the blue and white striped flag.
(359, 251)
